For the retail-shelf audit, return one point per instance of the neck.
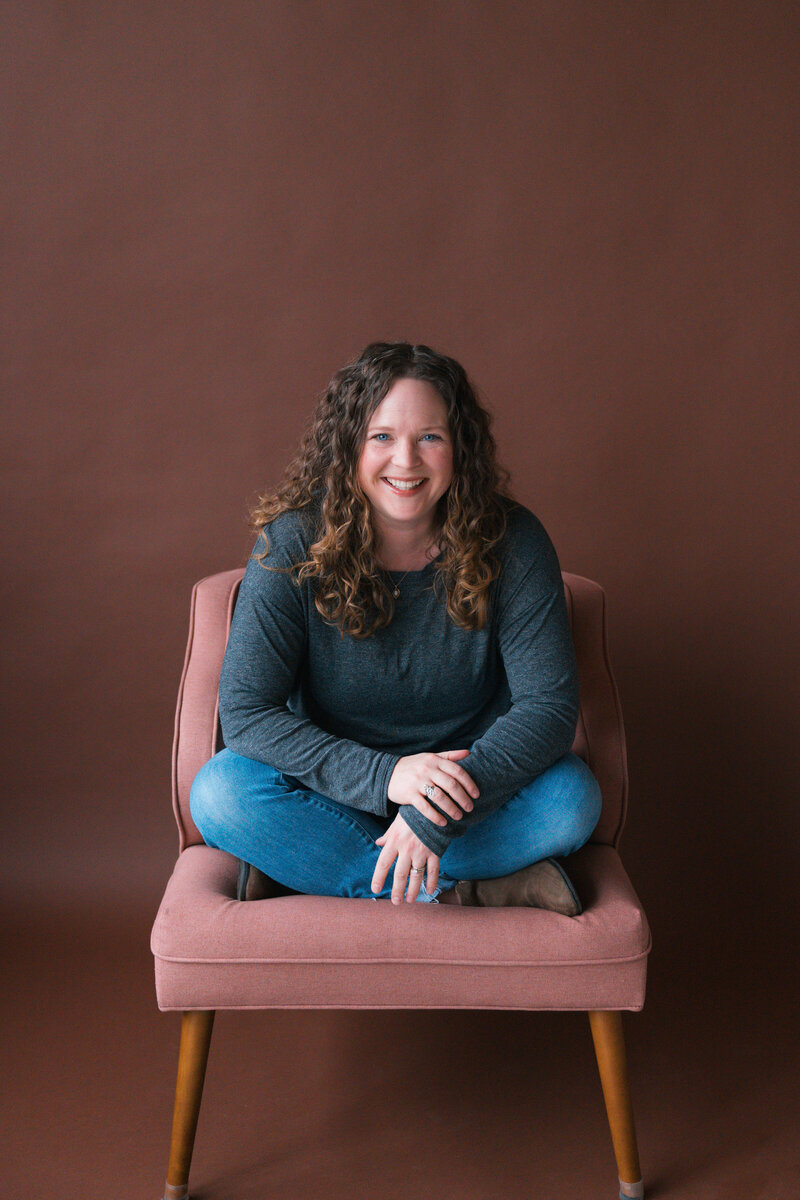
(406, 551)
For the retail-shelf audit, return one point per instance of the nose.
(406, 452)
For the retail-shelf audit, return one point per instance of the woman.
(399, 688)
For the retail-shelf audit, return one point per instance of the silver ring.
(417, 870)
(430, 788)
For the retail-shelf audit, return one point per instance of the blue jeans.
(318, 846)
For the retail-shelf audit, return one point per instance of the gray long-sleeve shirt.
(337, 713)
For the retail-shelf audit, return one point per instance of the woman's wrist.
(434, 837)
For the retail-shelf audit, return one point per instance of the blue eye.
(435, 436)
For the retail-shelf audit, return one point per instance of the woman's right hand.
(453, 786)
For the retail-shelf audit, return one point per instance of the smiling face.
(406, 464)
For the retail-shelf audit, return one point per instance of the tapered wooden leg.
(195, 1041)
(609, 1046)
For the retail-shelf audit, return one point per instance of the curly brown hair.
(471, 517)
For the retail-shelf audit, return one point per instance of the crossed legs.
(315, 845)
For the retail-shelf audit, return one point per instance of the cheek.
(366, 467)
(445, 465)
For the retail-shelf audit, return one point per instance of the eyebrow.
(390, 428)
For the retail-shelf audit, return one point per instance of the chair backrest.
(599, 738)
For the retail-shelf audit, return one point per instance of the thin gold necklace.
(396, 586)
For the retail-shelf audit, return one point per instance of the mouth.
(402, 487)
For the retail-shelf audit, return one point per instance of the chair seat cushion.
(295, 951)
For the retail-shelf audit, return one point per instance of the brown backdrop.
(209, 208)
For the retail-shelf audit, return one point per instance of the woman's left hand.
(401, 843)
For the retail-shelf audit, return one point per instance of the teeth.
(404, 485)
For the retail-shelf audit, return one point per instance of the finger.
(460, 778)
(401, 869)
(452, 753)
(415, 879)
(432, 876)
(378, 878)
(427, 810)
(449, 795)
(385, 860)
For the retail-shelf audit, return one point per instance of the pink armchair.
(212, 951)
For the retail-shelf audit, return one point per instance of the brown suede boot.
(544, 884)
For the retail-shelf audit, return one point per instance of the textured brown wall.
(209, 208)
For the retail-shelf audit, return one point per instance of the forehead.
(411, 402)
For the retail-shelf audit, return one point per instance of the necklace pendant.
(396, 592)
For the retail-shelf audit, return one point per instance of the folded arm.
(263, 657)
(535, 643)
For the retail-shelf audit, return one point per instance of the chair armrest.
(197, 714)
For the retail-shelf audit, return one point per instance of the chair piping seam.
(400, 1008)
(448, 962)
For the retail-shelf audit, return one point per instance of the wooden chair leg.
(609, 1046)
(192, 1058)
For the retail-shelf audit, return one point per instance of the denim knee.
(209, 798)
(580, 800)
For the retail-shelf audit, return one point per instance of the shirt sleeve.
(264, 654)
(534, 640)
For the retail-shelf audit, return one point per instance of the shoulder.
(287, 537)
(529, 563)
(526, 537)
